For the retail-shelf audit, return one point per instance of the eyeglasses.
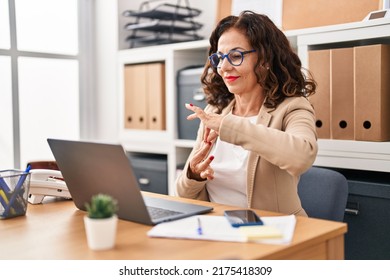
(235, 57)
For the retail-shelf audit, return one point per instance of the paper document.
(276, 230)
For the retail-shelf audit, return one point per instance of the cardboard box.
(298, 14)
(319, 66)
(224, 9)
(372, 92)
(342, 94)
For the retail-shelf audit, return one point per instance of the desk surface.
(55, 230)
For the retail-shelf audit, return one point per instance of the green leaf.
(101, 206)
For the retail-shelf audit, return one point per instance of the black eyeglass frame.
(222, 56)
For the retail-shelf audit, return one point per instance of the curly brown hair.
(285, 77)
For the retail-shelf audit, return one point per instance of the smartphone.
(238, 218)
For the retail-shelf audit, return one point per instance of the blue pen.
(200, 231)
(4, 190)
(3, 185)
(16, 191)
(3, 199)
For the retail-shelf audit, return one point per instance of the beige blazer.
(282, 145)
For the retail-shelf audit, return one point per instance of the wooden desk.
(55, 230)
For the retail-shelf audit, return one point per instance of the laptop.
(89, 168)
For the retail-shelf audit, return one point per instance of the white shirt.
(230, 170)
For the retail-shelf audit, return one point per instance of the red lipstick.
(231, 78)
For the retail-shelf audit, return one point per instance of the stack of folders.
(352, 100)
(276, 230)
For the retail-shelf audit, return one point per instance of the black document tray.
(165, 11)
(161, 26)
(161, 38)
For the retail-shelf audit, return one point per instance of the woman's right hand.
(199, 166)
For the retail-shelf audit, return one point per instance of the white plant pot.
(101, 233)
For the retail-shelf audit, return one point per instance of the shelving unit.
(360, 155)
(370, 156)
(175, 57)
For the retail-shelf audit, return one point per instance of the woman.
(257, 134)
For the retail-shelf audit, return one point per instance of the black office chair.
(323, 193)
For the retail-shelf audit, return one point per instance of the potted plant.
(101, 222)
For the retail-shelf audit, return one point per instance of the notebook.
(89, 168)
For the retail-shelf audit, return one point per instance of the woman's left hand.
(211, 121)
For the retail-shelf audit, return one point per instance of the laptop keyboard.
(157, 213)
